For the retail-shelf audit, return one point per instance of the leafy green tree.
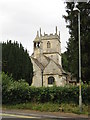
(72, 44)
(16, 61)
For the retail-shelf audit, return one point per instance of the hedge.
(21, 92)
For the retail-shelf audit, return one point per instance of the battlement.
(47, 36)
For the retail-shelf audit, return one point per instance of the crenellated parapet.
(50, 37)
(45, 36)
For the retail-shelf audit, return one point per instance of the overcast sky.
(20, 20)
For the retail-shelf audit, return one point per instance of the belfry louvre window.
(51, 80)
(48, 44)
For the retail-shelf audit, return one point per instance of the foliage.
(0, 56)
(49, 107)
(20, 92)
(6, 81)
(65, 62)
(35, 106)
(72, 45)
(11, 89)
(16, 61)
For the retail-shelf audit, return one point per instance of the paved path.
(36, 115)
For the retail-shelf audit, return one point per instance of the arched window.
(38, 44)
(34, 45)
(51, 80)
(48, 44)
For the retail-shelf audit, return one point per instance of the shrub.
(21, 92)
(13, 91)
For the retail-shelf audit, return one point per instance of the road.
(34, 115)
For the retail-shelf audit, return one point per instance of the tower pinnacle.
(59, 34)
(37, 34)
(56, 30)
(40, 32)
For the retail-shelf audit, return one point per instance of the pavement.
(37, 115)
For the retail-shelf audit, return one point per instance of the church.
(46, 60)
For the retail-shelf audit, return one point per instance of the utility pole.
(80, 94)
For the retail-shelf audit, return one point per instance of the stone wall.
(37, 79)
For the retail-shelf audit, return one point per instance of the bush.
(21, 92)
(13, 91)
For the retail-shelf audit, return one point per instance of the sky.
(20, 20)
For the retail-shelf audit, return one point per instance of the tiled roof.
(42, 66)
(38, 63)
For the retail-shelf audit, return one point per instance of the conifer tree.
(72, 44)
(16, 61)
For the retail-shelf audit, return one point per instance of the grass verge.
(49, 107)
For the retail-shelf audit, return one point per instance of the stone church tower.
(46, 60)
(49, 45)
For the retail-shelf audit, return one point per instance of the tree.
(16, 61)
(65, 62)
(72, 44)
(0, 57)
